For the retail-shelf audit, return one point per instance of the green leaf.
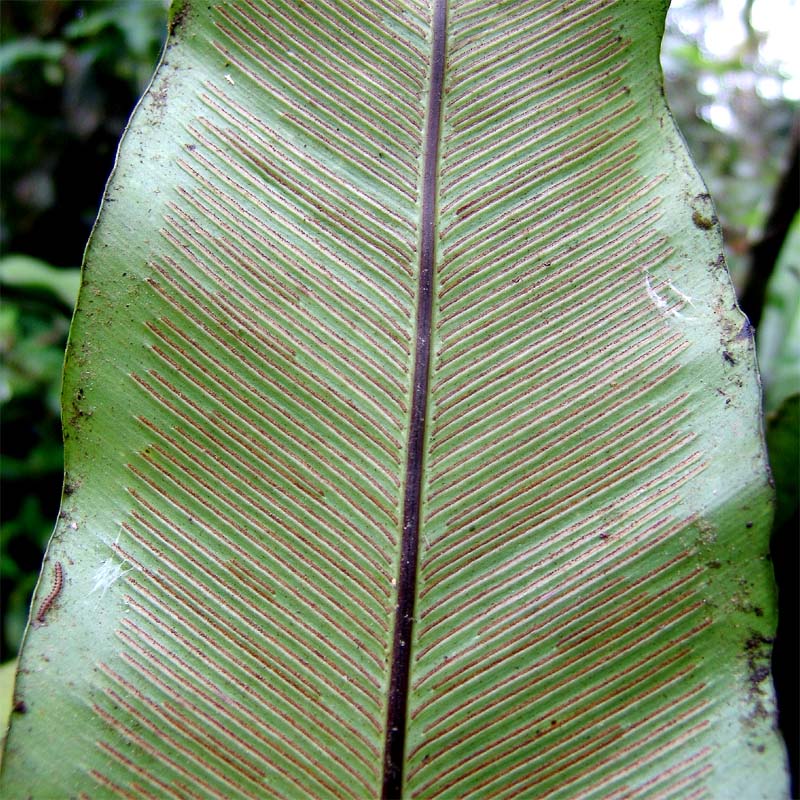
(779, 331)
(26, 272)
(412, 430)
(28, 49)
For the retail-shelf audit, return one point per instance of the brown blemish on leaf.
(758, 649)
(178, 14)
(702, 222)
(703, 215)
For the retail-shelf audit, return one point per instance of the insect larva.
(58, 583)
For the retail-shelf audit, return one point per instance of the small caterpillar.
(58, 583)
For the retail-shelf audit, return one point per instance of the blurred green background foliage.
(70, 75)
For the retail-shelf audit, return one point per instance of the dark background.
(70, 74)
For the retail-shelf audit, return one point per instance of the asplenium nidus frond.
(412, 431)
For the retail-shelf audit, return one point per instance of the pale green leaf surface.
(594, 603)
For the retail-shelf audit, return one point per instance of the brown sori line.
(644, 541)
(608, 391)
(571, 666)
(386, 260)
(220, 487)
(483, 757)
(577, 438)
(247, 631)
(305, 568)
(350, 134)
(390, 257)
(257, 710)
(271, 141)
(497, 711)
(617, 754)
(321, 130)
(132, 766)
(285, 563)
(479, 162)
(566, 15)
(587, 602)
(387, 53)
(622, 754)
(282, 322)
(534, 57)
(331, 54)
(106, 782)
(599, 184)
(621, 225)
(211, 749)
(578, 473)
(252, 436)
(158, 751)
(375, 114)
(267, 673)
(595, 258)
(249, 719)
(397, 711)
(510, 524)
(243, 602)
(214, 734)
(647, 539)
(504, 691)
(58, 584)
(227, 171)
(491, 121)
(372, 554)
(519, 247)
(295, 280)
(250, 399)
(261, 588)
(514, 386)
(278, 248)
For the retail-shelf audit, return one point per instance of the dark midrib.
(407, 580)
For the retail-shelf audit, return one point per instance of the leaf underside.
(566, 506)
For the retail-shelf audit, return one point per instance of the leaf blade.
(241, 369)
